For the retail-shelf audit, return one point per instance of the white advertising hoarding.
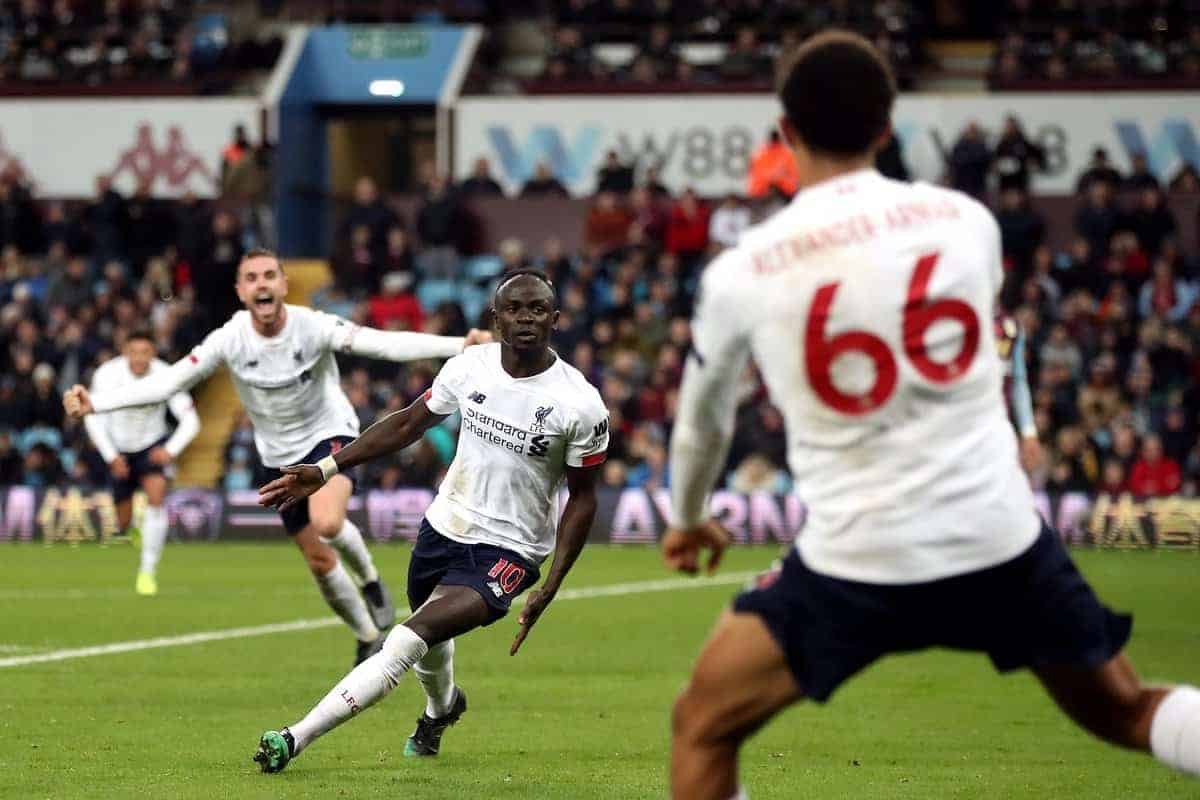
(705, 141)
(62, 145)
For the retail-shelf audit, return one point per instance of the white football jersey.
(131, 430)
(288, 383)
(867, 306)
(517, 438)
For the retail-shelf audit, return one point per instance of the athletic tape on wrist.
(328, 467)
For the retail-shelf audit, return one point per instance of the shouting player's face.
(525, 313)
(261, 286)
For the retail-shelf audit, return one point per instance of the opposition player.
(134, 444)
(867, 305)
(1010, 345)
(282, 361)
(528, 420)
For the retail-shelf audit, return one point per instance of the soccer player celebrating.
(528, 420)
(134, 444)
(282, 360)
(867, 305)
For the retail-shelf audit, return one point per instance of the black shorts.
(140, 467)
(498, 575)
(1035, 610)
(296, 518)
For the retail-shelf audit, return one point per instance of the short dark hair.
(508, 276)
(140, 333)
(837, 92)
(259, 252)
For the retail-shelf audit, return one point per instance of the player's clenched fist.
(76, 402)
(681, 549)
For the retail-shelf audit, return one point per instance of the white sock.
(342, 595)
(350, 546)
(363, 687)
(154, 536)
(436, 673)
(741, 795)
(1175, 730)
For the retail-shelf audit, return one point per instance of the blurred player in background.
(868, 305)
(529, 421)
(282, 360)
(134, 444)
(1010, 345)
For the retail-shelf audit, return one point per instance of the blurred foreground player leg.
(529, 421)
(134, 444)
(921, 529)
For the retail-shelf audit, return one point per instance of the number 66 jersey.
(867, 305)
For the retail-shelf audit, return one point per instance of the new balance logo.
(495, 587)
(600, 428)
(251, 364)
(476, 397)
(299, 356)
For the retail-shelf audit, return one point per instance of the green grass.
(581, 713)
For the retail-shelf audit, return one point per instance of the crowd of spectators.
(77, 277)
(1112, 320)
(1094, 41)
(120, 42)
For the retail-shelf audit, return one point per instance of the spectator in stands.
(1186, 180)
(772, 169)
(543, 183)
(481, 183)
(11, 465)
(687, 227)
(234, 152)
(659, 51)
(397, 255)
(1151, 220)
(1098, 218)
(1016, 156)
(356, 268)
(70, 288)
(106, 216)
(970, 161)
(216, 270)
(1154, 474)
(745, 60)
(438, 224)
(568, 50)
(1113, 481)
(368, 209)
(613, 175)
(1140, 177)
(148, 228)
(1022, 230)
(1099, 169)
(728, 221)
(396, 307)
(652, 181)
(607, 225)
(649, 216)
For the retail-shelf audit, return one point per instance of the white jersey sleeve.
(708, 395)
(94, 424)
(180, 376)
(587, 444)
(346, 337)
(447, 390)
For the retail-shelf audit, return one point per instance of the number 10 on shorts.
(509, 574)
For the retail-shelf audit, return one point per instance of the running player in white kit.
(283, 366)
(529, 419)
(867, 305)
(134, 444)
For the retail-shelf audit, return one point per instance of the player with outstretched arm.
(529, 419)
(282, 359)
(135, 445)
(867, 305)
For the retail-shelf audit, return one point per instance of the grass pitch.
(581, 712)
